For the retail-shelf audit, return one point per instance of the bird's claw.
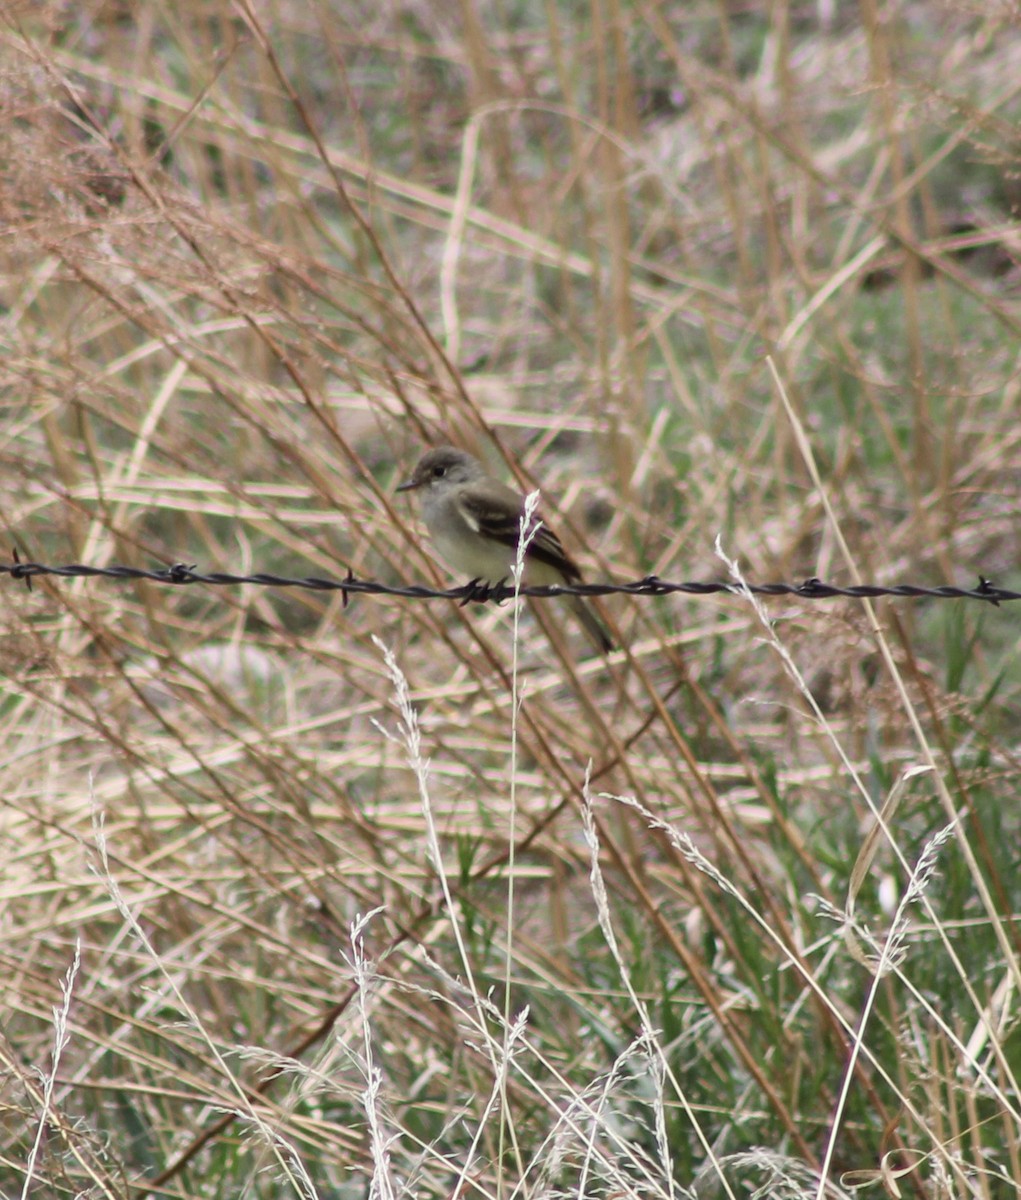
(477, 591)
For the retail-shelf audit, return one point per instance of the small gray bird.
(475, 524)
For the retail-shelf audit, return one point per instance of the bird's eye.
(439, 472)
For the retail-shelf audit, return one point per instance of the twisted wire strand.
(184, 574)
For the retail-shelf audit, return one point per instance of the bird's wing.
(495, 520)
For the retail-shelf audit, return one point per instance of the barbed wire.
(183, 575)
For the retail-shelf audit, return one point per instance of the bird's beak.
(408, 485)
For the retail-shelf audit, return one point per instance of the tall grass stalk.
(742, 276)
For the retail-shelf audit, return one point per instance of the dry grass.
(358, 907)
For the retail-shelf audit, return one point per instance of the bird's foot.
(477, 591)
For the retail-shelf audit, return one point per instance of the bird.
(474, 522)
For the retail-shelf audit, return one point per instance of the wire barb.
(17, 571)
(180, 574)
(991, 593)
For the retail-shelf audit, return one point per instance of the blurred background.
(254, 257)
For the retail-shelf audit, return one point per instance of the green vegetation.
(306, 899)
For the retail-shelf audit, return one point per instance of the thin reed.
(309, 898)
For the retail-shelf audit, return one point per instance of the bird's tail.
(595, 630)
